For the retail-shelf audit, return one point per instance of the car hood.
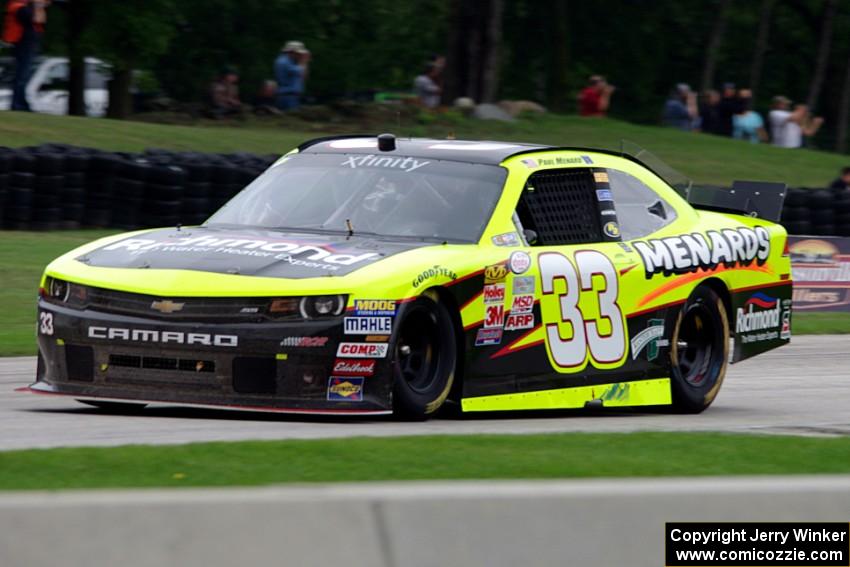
(245, 252)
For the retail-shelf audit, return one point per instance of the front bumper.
(103, 356)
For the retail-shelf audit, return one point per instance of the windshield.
(394, 196)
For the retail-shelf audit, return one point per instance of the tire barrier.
(58, 186)
(819, 212)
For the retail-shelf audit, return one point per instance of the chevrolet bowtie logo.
(167, 306)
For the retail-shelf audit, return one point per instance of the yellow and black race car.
(369, 275)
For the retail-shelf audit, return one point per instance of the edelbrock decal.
(346, 367)
(691, 252)
(162, 337)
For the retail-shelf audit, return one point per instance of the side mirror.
(530, 236)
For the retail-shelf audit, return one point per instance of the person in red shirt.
(22, 28)
(595, 97)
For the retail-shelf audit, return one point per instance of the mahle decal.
(691, 252)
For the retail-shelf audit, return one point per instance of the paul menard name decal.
(691, 252)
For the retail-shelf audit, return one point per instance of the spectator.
(680, 110)
(788, 128)
(842, 183)
(23, 27)
(290, 72)
(224, 94)
(427, 86)
(708, 112)
(727, 108)
(748, 124)
(595, 98)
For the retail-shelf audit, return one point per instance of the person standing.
(595, 98)
(727, 108)
(748, 124)
(788, 128)
(290, 72)
(680, 110)
(427, 86)
(23, 27)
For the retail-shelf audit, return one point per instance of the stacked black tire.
(59, 186)
(821, 212)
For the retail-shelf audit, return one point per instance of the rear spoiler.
(752, 198)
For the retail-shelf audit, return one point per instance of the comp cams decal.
(690, 252)
(362, 350)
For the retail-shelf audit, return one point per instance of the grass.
(706, 159)
(547, 456)
(23, 256)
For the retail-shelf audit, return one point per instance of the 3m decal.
(495, 274)
(519, 262)
(648, 339)
(523, 285)
(494, 316)
(406, 164)
(349, 367)
(432, 273)
(163, 337)
(522, 304)
(494, 293)
(368, 325)
(304, 342)
(487, 337)
(374, 307)
(611, 229)
(45, 323)
(345, 389)
(517, 321)
(690, 252)
(362, 350)
(506, 239)
(590, 289)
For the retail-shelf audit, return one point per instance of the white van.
(47, 90)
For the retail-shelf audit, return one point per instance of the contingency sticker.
(345, 389)
(486, 337)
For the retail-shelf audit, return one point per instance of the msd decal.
(690, 252)
(522, 304)
(368, 325)
(362, 350)
(346, 367)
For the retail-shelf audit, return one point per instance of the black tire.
(47, 164)
(424, 358)
(799, 227)
(699, 351)
(49, 184)
(115, 407)
(823, 216)
(75, 179)
(128, 188)
(22, 179)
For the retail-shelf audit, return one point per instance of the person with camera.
(22, 28)
(595, 98)
(290, 72)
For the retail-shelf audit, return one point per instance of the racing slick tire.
(424, 359)
(115, 407)
(699, 351)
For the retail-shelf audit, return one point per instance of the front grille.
(254, 375)
(161, 363)
(79, 360)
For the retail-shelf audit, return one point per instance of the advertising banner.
(821, 271)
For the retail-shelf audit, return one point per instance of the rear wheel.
(424, 359)
(699, 351)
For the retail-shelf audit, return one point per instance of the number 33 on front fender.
(582, 319)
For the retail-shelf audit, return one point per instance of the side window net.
(561, 206)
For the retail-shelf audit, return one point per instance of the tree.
(823, 52)
(713, 46)
(472, 60)
(761, 44)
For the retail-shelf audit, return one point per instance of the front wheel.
(425, 357)
(699, 351)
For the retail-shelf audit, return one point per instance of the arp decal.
(494, 293)
(362, 350)
(348, 367)
(494, 316)
(517, 321)
(368, 325)
(690, 252)
(488, 337)
(374, 307)
(495, 274)
(304, 342)
(345, 389)
(522, 304)
(519, 262)
(572, 294)
(648, 339)
(522, 285)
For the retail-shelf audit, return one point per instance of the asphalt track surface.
(801, 389)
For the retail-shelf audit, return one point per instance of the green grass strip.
(549, 456)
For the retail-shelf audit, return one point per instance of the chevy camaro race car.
(371, 275)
